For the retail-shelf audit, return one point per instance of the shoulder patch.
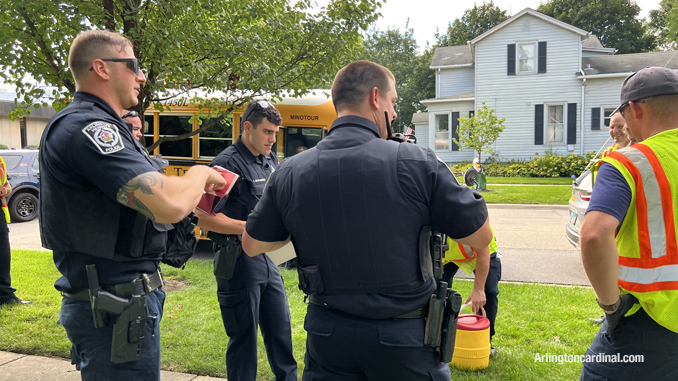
(105, 137)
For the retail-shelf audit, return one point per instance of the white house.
(555, 84)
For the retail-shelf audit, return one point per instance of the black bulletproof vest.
(351, 220)
(85, 220)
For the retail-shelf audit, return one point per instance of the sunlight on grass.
(532, 319)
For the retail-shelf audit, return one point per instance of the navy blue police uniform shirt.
(247, 191)
(434, 192)
(81, 161)
(612, 194)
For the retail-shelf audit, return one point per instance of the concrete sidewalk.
(19, 367)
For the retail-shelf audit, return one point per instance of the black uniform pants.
(6, 289)
(340, 347)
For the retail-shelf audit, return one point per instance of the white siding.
(599, 92)
(421, 132)
(10, 132)
(463, 108)
(456, 81)
(514, 96)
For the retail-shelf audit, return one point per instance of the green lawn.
(533, 319)
(526, 180)
(527, 194)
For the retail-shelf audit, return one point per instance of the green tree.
(663, 24)
(472, 24)
(615, 22)
(397, 51)
(230, 49)
(480, 131)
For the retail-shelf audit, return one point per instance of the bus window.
(148, 129)
(298, 137)
(173, 125)
(215, 139)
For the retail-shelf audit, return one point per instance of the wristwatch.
(609, 307)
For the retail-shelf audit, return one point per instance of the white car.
(581, 195)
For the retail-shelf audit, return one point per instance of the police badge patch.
(105, 137)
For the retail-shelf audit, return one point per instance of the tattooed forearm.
(144, 182)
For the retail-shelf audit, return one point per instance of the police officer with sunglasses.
(102, 211)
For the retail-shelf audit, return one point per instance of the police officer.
(628, 241)
(255, 294)
(101, 203)
(354, 207)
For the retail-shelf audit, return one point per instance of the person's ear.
(374, 98)
(247, 126)
(636, 109)
(100, 68)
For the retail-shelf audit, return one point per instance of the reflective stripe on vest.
(656, 266)
(3, 180)
(465, 250)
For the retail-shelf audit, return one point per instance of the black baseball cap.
(648, 82)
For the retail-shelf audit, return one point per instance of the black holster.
(128, 330)
(226, 257)
(449, 330)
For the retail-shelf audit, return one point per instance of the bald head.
(617, 133)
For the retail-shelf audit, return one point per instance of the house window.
(607, 115)
(442, 132)
(526, 57)
(555, 124)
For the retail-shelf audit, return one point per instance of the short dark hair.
(92, 44)
(354, 82)
(255, 113)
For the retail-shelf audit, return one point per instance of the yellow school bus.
(306, 120)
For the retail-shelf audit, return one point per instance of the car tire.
(23, 207)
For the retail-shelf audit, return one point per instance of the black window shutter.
(595, 118)
(511, 59)
(455, 130)
(571, 123)
(542, 57)
(470, 115)
(539, 125)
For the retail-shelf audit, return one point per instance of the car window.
(11, 161)
(36, 164)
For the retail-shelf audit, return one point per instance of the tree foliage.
(230, 49)
(472, 24)
(480, 131)
(398, 51)
(615, 22)
(664, 24)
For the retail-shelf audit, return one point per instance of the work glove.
(613, 319)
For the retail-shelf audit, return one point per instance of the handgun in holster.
(128, 330)
(444, 305)
(226, 256)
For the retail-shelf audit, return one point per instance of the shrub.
(550, 165)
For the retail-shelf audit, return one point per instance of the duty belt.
(417, 313)
(142, 285)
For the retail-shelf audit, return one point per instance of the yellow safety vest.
(463, 255)
(646, 240)
(3, 180)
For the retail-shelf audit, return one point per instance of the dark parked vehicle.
(23, 173)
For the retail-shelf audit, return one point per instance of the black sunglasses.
(621, 109)
(132, 63)
(131, 114)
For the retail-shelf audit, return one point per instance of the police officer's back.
(355, 207)
(101, 204)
